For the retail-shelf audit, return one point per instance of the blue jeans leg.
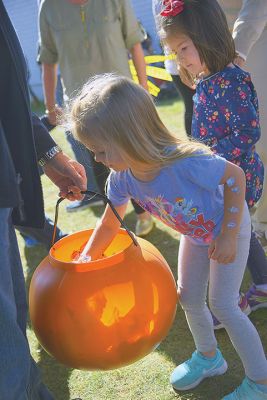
(257, 261)
(43, 235)
(19, 375)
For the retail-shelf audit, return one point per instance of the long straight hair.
(204, 22)
(116, 111)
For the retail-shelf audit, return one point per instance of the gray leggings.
(196, 275)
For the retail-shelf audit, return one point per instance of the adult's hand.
(68, 175)
(54, 115)
(239, 61)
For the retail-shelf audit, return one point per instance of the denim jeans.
(19, 375)
(43, 235)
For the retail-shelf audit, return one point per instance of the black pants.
(187, 96)
(101, 174)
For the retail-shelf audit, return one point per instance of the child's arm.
(223, 248)
(104, 232)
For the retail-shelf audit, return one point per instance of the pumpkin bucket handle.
(106, 199)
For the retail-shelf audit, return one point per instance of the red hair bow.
(172, 8)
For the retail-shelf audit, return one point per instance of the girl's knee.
(189, 302)
(222, 311)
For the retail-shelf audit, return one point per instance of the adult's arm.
(139, 63)
(130, 27)
(249, 25)
(42, 139)
(48, 57)
(67, 174)
(133, 36)
(49, 75)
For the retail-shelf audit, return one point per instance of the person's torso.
(223, 111)
(89, 40)
(20, 182)
(231, 8)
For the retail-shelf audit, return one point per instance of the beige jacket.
(247, 19)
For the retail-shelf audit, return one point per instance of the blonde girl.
(203, 197)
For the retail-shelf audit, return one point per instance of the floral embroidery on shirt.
(226, 118)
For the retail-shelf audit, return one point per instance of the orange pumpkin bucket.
(102, 314)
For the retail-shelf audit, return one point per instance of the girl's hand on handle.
(223, 248)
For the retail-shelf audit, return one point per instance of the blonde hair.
(115, 110)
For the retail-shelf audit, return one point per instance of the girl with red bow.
(197, 32)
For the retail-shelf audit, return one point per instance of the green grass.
(147, 379)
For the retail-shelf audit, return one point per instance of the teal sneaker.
(248, 390)
(189, 374)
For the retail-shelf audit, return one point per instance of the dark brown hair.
(206, 25)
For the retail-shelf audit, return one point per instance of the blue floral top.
(226, 118)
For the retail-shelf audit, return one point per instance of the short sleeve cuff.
(134, 38)
(46, 57)
(114, 191)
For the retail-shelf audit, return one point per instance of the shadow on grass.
(167, 101)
